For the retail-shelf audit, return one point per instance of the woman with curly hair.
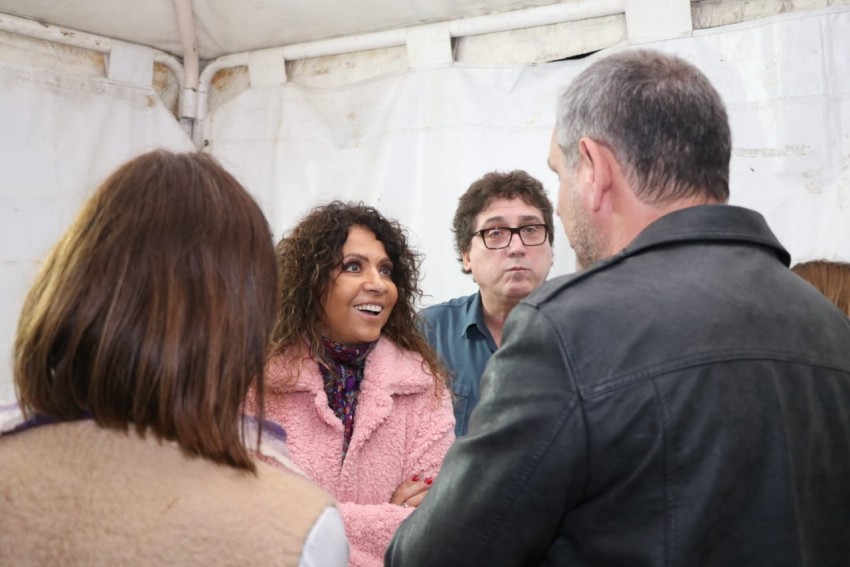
(360, 393)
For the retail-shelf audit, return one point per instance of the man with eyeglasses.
(503, 236)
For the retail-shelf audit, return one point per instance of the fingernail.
(428, 481)
(416, 478)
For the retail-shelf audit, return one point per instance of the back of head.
(662, 119)
(155, 308)
(515, 184)
(831, 278)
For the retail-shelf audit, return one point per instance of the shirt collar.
(474, 319)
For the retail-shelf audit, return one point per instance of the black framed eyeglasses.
(497, 237)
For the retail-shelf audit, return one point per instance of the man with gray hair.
(680, 401)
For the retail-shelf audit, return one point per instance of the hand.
(411, 492)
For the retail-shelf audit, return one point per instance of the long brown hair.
(831, 278)
(155, 308)
(308, 256)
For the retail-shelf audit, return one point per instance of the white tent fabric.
(411, 143)
(62, 134)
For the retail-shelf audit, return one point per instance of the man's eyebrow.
(500, 219)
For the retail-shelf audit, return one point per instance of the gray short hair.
(662, 118)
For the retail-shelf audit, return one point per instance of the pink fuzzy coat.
(401, 429)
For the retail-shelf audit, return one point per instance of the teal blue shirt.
(457, 332)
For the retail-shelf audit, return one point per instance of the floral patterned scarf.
(342, 381)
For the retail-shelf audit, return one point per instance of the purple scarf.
(342, 382)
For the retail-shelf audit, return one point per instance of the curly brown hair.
(310, 253)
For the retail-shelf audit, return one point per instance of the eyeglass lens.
(500, 236)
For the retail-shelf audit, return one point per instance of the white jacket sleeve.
(326, 545)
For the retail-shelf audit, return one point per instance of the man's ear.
(467, 266)
(597, 162)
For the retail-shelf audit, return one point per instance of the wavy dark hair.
(308, 256)
(155, 309)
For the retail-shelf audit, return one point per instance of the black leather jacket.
(683, 403)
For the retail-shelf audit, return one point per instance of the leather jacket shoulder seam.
(713, 357)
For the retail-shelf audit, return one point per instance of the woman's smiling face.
(362, 293)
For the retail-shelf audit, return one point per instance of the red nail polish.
(428, 481)
(415, 478)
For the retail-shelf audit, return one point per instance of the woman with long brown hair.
(146, 328)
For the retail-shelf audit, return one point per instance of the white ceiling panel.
(233, 26)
